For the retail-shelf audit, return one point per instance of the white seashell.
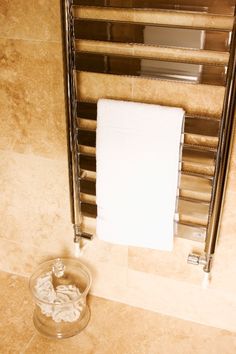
(61, 296)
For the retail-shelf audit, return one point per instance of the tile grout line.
(32, 154)
(30, 39)
(22, 275)
(28, 344)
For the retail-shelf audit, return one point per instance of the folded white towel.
(138, 149)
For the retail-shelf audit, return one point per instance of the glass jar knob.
(58, 268)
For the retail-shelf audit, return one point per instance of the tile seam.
(30, 39)
(28, 344)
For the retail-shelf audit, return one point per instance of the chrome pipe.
(67, 96)
(227, 125)
(70, 102)
(71, 120)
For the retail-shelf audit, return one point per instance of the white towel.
(138, 149)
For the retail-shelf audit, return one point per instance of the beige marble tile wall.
(34, 208)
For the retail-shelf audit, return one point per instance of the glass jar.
(59, 288)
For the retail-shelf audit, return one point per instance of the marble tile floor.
(114, 328)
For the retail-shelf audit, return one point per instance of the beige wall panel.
(32, 20)
(32, 98)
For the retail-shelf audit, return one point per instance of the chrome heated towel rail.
(169, 53)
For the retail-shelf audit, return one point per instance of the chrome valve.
(196, 259)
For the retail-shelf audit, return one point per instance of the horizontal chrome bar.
(78, 234)
(153, 52)
(191, 188)
(154, 68)
(197, 6)
(88, 110)
(133, 33)
(195, 99)
(191, 157)
(87, 137)
(171, 18)
(197, 230)
(190, 232)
